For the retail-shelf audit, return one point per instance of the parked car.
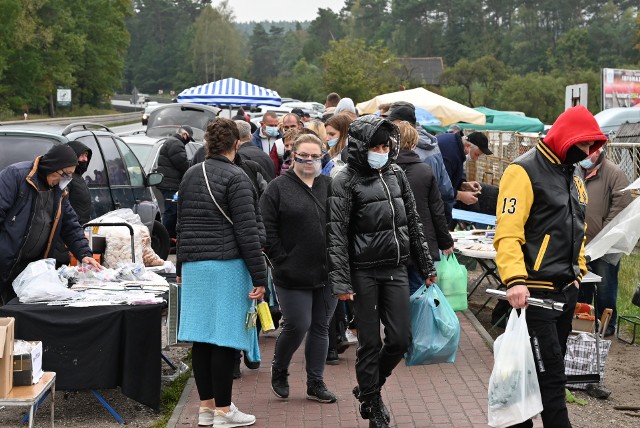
(313, 108)
(166, 119)
(611, 118)
(115, 177)
(147, 150)
(151, 106)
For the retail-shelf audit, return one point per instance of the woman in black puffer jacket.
(220, 235)
(373, 229)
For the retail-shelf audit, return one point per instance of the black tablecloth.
(97, 347)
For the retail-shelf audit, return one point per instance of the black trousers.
(552, 329)
(336, 324)
(213, 372)
(381, 294)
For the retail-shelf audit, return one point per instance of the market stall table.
(32, 395)
(98, 347)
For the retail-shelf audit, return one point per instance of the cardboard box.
(27, 367)
(6, 353)
(584, 322)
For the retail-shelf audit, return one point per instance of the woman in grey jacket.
(295, 217)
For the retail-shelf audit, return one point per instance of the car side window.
(115, 165)
(96, 175)
(132, 164)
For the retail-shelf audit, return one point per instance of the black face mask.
(574, 155)
(286, 156)
(82, 167)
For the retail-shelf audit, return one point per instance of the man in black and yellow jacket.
(540, 242)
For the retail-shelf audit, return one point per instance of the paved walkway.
(442, 395)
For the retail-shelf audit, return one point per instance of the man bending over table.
(35, 211)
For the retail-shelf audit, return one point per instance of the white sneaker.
(351, 338)
(233, 418)
(206, 417)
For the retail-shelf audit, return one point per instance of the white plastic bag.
(40, 282)
(514, 393)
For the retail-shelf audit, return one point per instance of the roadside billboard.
(620, 88)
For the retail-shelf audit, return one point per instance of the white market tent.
(230, 91)
(446, 110)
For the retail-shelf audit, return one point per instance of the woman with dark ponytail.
(220, 265)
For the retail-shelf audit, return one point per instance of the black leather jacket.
(373, 219)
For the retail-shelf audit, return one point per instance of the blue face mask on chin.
(332, 143)
(587, 163)
(377, 160)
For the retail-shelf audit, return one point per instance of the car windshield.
(165, 121)
(22, 148)
(142, 151)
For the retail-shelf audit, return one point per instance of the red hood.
(575, 125)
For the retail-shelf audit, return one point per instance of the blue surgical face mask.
(332, 143)
(377, 160)
(587, 163)
(271, 131)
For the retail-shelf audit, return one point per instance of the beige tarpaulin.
(446, 110)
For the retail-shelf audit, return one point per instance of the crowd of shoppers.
(351, 213)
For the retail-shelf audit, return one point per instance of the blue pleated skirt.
(214, 303)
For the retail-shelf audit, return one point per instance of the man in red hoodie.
(540, 243)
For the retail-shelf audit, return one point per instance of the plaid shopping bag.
(580, 358)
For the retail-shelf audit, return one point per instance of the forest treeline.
(503, 54)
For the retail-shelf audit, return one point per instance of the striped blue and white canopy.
(230, 91)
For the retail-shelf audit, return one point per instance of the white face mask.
(64, 182)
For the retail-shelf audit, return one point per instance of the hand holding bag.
(435, 328)
(514, 393)
(264, 314)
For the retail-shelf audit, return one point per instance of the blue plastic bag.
(435, 328)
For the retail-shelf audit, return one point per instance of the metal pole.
(543, 303)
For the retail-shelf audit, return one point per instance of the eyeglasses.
(64, 174)
(308, 156)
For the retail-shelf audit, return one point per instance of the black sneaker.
(364, 410)
(236, 369)
(332, 357)
(372, 409)
(279, 382)
(342, 345)
(250, 364)
(317, 390)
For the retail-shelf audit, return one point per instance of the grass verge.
(628, 281)
(171, 394)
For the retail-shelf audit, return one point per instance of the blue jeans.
(607, 289)
(170, 214)
(416, 280)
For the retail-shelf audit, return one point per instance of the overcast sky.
(280, 10)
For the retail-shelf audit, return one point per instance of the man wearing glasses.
(35, 212)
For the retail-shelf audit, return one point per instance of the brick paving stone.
(440, 395)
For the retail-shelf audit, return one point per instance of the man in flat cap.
(35, 211)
